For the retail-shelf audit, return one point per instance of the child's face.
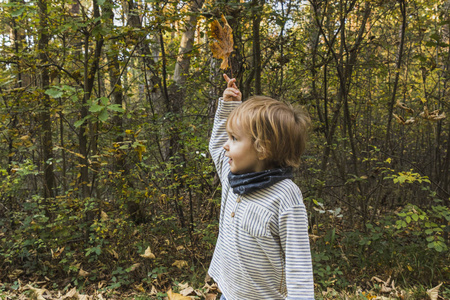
(243, 157)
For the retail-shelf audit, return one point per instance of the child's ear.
(262, 155)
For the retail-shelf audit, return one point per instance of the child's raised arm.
(231, 99)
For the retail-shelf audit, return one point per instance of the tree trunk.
(402, 4)
(44, 81)
(89, 79)
(257, 8)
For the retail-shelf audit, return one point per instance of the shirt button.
(238, 199)
(232, 214)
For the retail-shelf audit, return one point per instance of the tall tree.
(44, 81)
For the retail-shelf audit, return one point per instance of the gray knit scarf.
(249, 182)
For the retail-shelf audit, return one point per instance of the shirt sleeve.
(219, 136)
(295, 242)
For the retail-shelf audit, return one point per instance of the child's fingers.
(231, 82)
(232, 92)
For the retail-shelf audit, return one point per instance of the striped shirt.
(262, 250)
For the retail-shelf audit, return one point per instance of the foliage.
(112, 116)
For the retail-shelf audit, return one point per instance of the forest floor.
(383, 290)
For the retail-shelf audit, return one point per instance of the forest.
(107, 188)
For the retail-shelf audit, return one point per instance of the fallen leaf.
(183, 286)
(83, 273)
(175, 296)
(211, 297)
(154, 291)
(139, 287)
(135, 266)
(14, 274)
(222, 47)
(57, 252)
(180, 264)
(433, 293)
(37, 293)
(70, 294)
(148, 253)
(187, 291)
(114, 253)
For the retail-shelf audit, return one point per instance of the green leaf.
(96, 108)
(103, 116)
(79, 123)
(54, 93)
(104, 101)
(18, 12)
(116, 107)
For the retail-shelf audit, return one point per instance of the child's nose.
(226, 147)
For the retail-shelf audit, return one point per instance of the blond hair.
(279, 131)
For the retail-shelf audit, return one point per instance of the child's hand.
(231, 93)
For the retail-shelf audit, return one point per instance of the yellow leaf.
(139, 288)
(175, 296)
(180, 264)
(222, 46)
(148, 253)
(104, 216)
(116, 256)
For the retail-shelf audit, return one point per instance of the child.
(262, 250)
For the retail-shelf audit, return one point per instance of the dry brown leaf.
(180, 264)
(434, 292)
(211, 297)
(74, 295)
(175, 296)
(399, 119)
(404, 107)
(135, 266)
(37, 293)
(14, 274)
(432, 116)
(183, 286)
(148, 253)
(222, 46)
(70, 293)
(410, 121)
(153, 291)
(187, 291)
(83, 273)
(57, 252)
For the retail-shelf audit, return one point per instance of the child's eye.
(233, 138)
